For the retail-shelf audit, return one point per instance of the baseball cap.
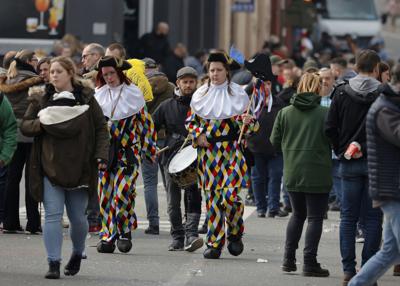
(149, 63)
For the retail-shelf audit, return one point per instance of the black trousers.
(14, 176)
(308, 206)
(192, 203)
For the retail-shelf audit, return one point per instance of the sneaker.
(212, 253)
(193, 243)
(152, 229)
(261, 214)
(74, 265)
(360, 236)
(176, 245)
(94, 228)
(202, 229)
(279, 213)
(37, 231)
(289, 265)
(314, 270)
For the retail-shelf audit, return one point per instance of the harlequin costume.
(132, 135)
(222, 171)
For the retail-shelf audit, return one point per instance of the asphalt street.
(23, 259)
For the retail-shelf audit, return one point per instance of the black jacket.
(171, 115)
(383, 141)
(259, 142)
(153, 46)
(345, 122)
(286, 95)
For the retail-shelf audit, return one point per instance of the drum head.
(183, 159)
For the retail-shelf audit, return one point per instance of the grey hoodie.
(364, 84)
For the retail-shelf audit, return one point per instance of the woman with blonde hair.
(70, 146)
(298, 131)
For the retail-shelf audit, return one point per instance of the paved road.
(22, 259)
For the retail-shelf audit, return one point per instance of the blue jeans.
(266, 179)
(354, 174)
(3, 180)
(150, 181)
(53, 201)
(389, 254)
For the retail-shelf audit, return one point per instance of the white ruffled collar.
(130, 102)
(214, 101)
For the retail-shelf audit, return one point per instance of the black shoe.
(74, 265)
(105, 246)
(314, 270)
(124, 242)
(278, 213)
(235, 245)
(260, 214)
(212, 253)
(36, 231)
(289, 265)
(152, 229)
(193, 243)
(202, 229)
(54, 270)
(176, 245)
(287, 209)
(13, 230)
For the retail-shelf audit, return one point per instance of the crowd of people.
(302, 139)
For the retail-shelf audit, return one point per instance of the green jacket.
(8, 130)
(299, 132)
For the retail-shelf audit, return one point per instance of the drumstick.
(184, 143)
(162, 150)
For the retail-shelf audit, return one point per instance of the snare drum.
(182, 166)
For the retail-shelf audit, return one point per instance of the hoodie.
(346, 118)
(298, 132)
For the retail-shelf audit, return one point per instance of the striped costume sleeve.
(147, 133)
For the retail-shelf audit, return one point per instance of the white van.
(355, 17)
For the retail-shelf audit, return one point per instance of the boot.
(54, 270)
(193, 243)
(235, 245)
(105, 246)
(124, 242)
(212, 253)
(289, 265)
(314, 270)
(74, 265)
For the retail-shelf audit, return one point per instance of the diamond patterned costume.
(117, 187)
(222, 172)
